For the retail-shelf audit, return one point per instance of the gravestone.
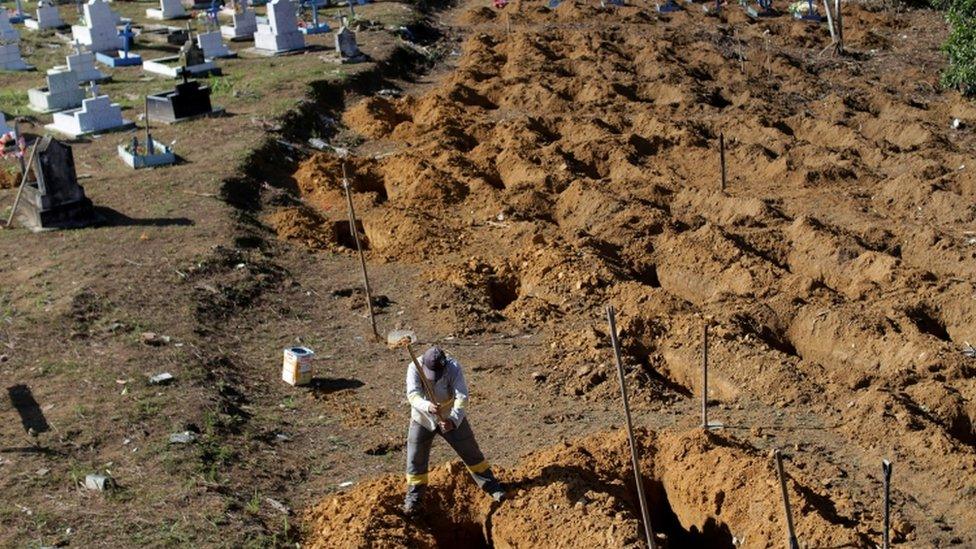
(62, 92)
(48, 17)
(188, 100)
(168, 9)
(7, 31)
(123, 57)
(314, 26)
(212, 45)
(281, 33)
(190, 60)
(98, 32)
(346, 46)
(83, 64)
(245, 23)
(10, 59)
(53, 199)
(96, 115)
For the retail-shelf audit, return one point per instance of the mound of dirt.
(703, 489)
(573, 162)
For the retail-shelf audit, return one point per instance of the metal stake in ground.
(721, 152)
(359, 248)
(704, 388)
(790, 532)
(886, 469)
(645, 514)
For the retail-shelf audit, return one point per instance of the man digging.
(443, 381)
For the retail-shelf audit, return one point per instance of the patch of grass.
(253, 505)
(14, 102)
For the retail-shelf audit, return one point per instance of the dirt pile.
(573, 161)
(582, 494)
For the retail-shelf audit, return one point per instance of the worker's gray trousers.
(461, 438)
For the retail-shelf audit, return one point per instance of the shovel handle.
(428, 389)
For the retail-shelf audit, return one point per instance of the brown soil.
(572, 162)
(581, 494)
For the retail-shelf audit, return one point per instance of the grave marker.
(7, 31)
(190, 60)
(153, 153)
(315, 27)
(168, 9)
(188, 100)
(4, 128)
(83, 64)
(96, 115)
(98, 32)
(53, 199)
(10, 59)
(62, 92)
(123, 57)
(346, 46)
(19, 16)
(280, 34)
(245, 23)
(48, 17)
(211, 42)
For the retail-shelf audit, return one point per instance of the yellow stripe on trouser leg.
(414, 480)
(479, 468)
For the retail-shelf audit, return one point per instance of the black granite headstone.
(54, 199)
(189, 99)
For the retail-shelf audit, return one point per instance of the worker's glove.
(433, 408)
(446, 425)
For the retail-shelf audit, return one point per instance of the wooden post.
(886, 469)
(790, 532)
(704, 388)
(359, 248)
(147, 130)
(721, 153)
(23, 181)
(645, 514)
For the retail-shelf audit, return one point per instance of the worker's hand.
(446, 425)
(433, 408)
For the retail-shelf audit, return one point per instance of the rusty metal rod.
(721, 152)
(645, 513)
(359, 248)
(886, 469)
(704, 388)
(792, 542)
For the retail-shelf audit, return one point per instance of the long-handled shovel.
(403, 338)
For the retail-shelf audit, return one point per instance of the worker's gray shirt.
(450, 390)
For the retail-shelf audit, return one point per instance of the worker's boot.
(411, 506)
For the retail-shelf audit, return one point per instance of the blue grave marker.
(315, 27)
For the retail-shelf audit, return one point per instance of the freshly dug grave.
(704, 489)
(573, 162)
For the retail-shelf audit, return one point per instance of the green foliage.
(960, 48)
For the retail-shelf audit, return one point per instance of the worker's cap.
(434, 359)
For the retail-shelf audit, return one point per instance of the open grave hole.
(928, 322)
(582, 494)
(343, 235)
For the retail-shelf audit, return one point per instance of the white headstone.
(168, 9)
(48, 17)
(97, 114)
(281, 33)
(4, 128)
(62, 92)
(10, 59)
(212, 45)
(245, 23)
(7, 31)
(99, 32)
(83, 64)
